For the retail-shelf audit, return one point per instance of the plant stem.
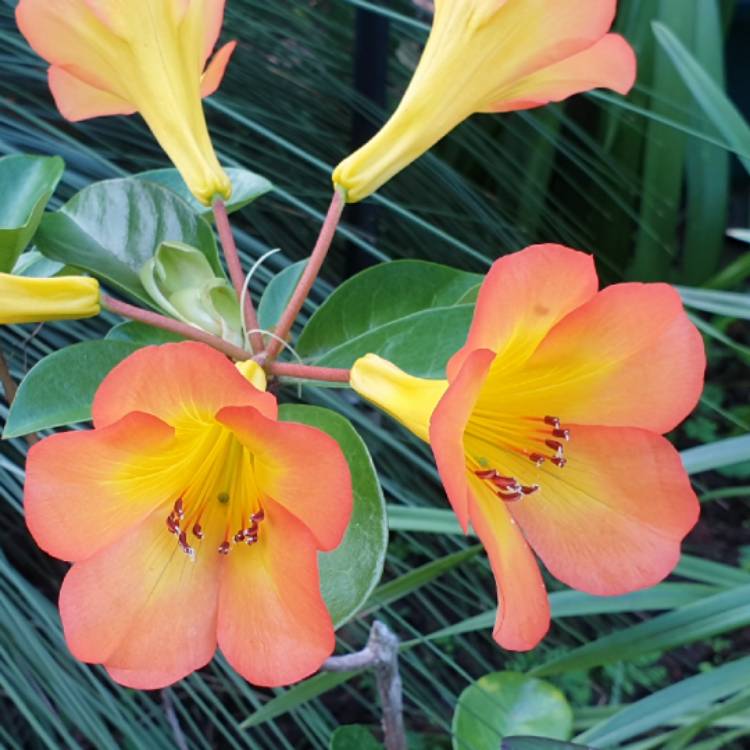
(232, 257)
(312, 269)
(381, 654)
(308, 372)
(175, 326)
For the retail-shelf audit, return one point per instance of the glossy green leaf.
(34, 265)
(350, 573)
(141, 334)
(246, 187)
(414, 313)
(112, 228)
(539, 743)
(717, 454)
(26, 185)
(354, 737)
(731, 304)
(503, 704)
(278, 293)
(60, 388)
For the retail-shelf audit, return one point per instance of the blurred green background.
(656, 185)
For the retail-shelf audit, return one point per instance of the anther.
(510, 497)
(537, 458)
(239, 536)
(559, 461)
(552, 422)
(186, 548)
(486, 474)
(173, 524)
(259, 516)
(564, 434)
(179, 508)
(224, 548)
(557, 447)
(529, 489)
(198, 531)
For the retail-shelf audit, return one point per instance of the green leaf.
(354, 737)
(503, 704)
(33, 264)
(708, 94)
(277, 294)
(350, 573)
(716, 455)
(246, 187)
(538, 743)
(112, 228)
(414, 313)
(141, 334)
(60, 388)
(731, 304)
(26, 185)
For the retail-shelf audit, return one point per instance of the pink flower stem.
(312, 269)
(308, 372)
(232, 257)
(175, 326)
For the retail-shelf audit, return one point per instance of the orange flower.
(111, 57)
(192, 516)
(492, 56)
(547, 432)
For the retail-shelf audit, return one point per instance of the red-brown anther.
(179, 508)
(504, 483)
(172, 524)
(557, 447)
(186, 548)
(564, 434)
(529, 489)
(198, 531)
(224, 548)
(239, 536)
(486, 473)
(259, 516)
(537, 458)
(552, 421)
(511, 497)
(250, 540)
(559, 461)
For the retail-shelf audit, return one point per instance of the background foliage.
(649, 184)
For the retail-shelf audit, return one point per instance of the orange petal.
(78, 498)
(212, 20)
(211, 79)
(630, 357)
(613, 519)
(447, 429)
(523, 614)
(610, 63)
(301, 468)
(143, 608)
(78, 100)
(174, 379)
(274, 628)
(522, 297)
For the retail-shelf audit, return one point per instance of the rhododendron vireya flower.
(117, 57)
(492, 56)
(30, 300)
(547, 432)
(192, 517)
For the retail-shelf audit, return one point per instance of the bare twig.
(381, 655)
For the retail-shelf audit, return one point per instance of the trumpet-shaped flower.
(547, 432)
(492, 56)
(29, 300)
(192, 517)
(117, 57)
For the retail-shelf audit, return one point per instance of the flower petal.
(448, 425)
(80, 494)
(211, 79)
(630, 357)
(78, 100)
(522, 297)
(613, 519)
(610, 63)
(273, 626)
(523, 615)
(300, 468)
(142, 607)
(174, 379)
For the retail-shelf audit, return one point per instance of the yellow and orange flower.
(492, 56)
(547, 432)
(192, 517)
(111, 57)
(30, 300)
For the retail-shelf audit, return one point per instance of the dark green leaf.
(26, 185)
(414, 313)
(539, 743)
(59, 389)
(141, 334)
(349, 573)
(112, 228)
(502, 704)
(246, 187)
(277, 294)
(354, 737)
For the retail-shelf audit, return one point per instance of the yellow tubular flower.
(117, 57)
(25, 300)
(492, 56)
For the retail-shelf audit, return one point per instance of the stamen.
(186, 548)
(258, 516)
(511, 497)
(564, 434)
(486, 473)
(537, 458)
(173, 525)
(557, 447)
(559, 461)
(552, 421)
(179, 508)
(198, 531)
(505, 483)
(529, 489)
(224, 548)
